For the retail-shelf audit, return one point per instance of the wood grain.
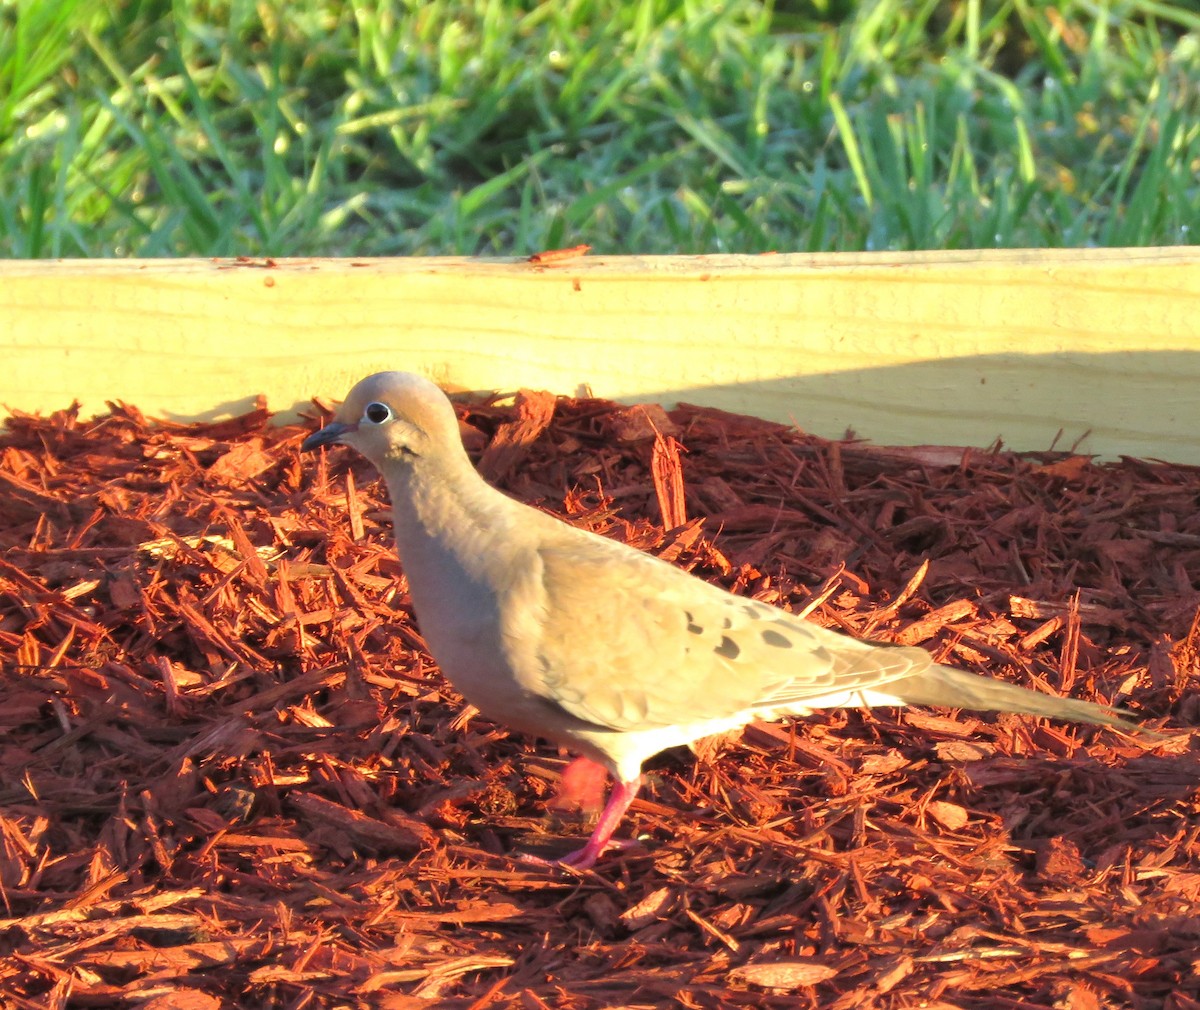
(941, 348)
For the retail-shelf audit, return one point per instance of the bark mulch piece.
(231, 776)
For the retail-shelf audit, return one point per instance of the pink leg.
(618, 802)
(582, 786)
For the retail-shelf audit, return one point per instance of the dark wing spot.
(692, 626)
(727, 624)
(776, 639)
(750, 610)
(728, 649)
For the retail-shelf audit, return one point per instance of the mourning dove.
(588, 642)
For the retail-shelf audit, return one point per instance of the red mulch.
(231, 776)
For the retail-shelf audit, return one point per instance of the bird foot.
(581, 859)
(581, 787)
(601, 839)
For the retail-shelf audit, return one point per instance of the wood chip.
(784, 976)
(232, 776)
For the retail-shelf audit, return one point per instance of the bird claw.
(581, 859)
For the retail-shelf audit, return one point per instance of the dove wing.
(630, 642)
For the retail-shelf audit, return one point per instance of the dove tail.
(951, 688)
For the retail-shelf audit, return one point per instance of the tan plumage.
(597, 646)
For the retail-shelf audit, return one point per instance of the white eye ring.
(377, 413)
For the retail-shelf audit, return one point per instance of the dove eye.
(377, 413)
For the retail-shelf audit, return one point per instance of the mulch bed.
(230, 774)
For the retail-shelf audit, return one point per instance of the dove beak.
(331, 434)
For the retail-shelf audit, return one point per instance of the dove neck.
(442, 505)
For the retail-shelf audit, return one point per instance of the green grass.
(314, 127)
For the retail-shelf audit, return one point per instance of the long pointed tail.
(951, 688)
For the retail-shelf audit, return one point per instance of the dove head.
(393, 418)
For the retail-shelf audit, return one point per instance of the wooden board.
(946, 348)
